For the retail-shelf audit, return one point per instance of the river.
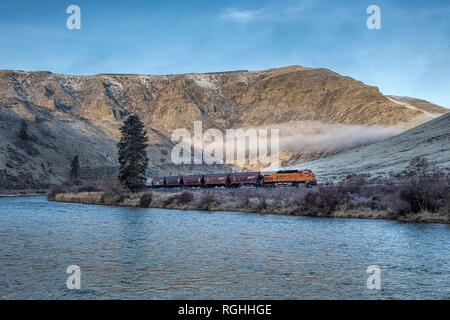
(134, 253)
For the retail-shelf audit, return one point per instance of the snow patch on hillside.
(203, 82)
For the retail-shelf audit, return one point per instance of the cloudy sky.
(409, 55)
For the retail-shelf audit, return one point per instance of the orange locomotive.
(291, 177)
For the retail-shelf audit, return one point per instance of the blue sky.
(410, 55)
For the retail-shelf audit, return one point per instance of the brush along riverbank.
(23, 193)
(322, 201)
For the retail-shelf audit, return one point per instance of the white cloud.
(272, 12)
(243, 16)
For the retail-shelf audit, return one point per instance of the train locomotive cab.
(291, 178)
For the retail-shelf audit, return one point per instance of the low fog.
(308, 137)
(323, 137)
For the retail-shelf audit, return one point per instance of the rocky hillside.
(68, 115)
(419, 104)
(226, 99)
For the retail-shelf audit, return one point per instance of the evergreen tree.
(133, 153)
(23, 131)
(74, 169)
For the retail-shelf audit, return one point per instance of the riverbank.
(280, 201)
(23, 193)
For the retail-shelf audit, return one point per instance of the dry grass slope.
(390, 156)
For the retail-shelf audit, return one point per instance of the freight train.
(233, 180)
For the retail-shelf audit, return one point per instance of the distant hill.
(423, 105)
(318, 111)
(431, 139)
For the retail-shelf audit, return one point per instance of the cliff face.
(81, 111)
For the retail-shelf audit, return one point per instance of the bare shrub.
(356, 201)
(168, 200)
(298, 197)
(418, 165)
(446, 208)
(206, 200)
(322, 200)
(107, 185)
(426, 192)
(185, 197)
(424, 186)
(353, 184)
(113, 194)
(393, 202)
(381, 186)
(112, 198)
(281, 194)
(146, 200)
(241, 195)
(89, 188)
(57, 190)
(260, 194)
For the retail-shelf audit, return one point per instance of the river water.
(133, 253)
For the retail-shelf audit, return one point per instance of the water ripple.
(131, 253)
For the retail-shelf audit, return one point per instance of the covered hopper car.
(246, 178)
(216, 180)
(158, 182)
(174, 181)
(193, 181)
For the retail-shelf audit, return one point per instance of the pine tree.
(132, 150)
(74, 169)
(23, 135)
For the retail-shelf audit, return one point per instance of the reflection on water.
(132, 253)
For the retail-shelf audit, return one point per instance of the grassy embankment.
(22, 193)
(424, 198)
